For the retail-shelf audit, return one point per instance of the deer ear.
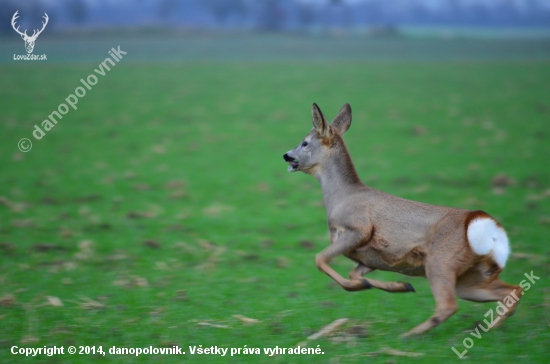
(342, 121)
(319, 121)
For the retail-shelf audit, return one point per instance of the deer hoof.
(409, 287)
(366, 284)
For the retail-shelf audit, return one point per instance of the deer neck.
(338, 176)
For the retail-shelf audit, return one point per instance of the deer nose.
(287, 158)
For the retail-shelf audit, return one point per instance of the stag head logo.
(29, 41)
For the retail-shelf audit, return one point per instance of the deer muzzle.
(292, 161)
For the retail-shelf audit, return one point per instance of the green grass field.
(161, 207)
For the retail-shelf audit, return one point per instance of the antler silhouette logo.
(29, 41)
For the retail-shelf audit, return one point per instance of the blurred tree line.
(275, 15)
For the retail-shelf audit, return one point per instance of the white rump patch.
(486, 237)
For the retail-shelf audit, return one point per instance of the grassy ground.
(162, 207)
(147, 47)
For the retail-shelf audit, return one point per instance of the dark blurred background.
(378, 16)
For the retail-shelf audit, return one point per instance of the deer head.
(29, 41)
(323, 140)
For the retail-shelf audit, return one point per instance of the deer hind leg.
(442, 283)
(476, 286)
(361, 270)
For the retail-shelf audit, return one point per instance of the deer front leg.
(361, 270)
(344, 244)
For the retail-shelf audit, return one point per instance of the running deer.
(460, 252)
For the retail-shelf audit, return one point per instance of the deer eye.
(304, 144)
